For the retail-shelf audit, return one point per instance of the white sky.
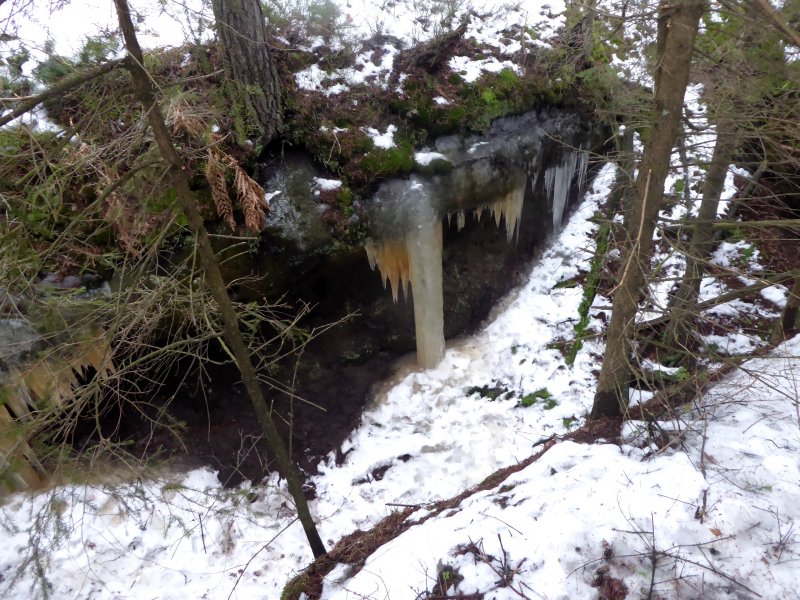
(169, 24)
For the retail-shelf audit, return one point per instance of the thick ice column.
(412, 257)
(424, 243)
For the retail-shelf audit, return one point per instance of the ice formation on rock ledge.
(558, 181)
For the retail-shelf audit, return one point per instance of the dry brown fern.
(251, 198)
(215, 173)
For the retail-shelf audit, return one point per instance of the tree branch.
(727, 297)
(785, 223)
(63, 86)
(777, 18)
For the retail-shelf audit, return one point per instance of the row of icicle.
(390, 256)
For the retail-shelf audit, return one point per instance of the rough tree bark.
(252, 83)
(213, 278)
(683, 304)
(677, 30)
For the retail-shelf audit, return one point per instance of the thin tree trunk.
(213, 278)
(726, 225)
(620, 200)
(252, 80)
(676, 35)
(742, 196)
(789, 319)
(684, 302)
(787, 33)
(587, 28)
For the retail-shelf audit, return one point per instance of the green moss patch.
(542, 394)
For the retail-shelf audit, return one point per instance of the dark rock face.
(483, 169)
(298, 259)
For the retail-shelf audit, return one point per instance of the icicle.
(391, 258)
(424, 251)
(508, 209)
(536, 172)
(417, 260)
(461, 219)
(583, 163)
(557, 182)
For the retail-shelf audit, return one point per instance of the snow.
(471, 70)
(425, 158)
(554, 519)
(722, 500)
(720, 512)
(551, 522)
(734, 464)
(383, 140)
(268, 196)
(413, 22)
(186, 537)
(313, 78)
(326, 185)
(418, 22)
(310, 78)
(777, 294)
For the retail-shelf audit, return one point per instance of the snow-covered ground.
(711, 515)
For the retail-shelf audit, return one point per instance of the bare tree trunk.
(252, 80)
(684, 302)
(677, 31)
(627, 165)
(580, 18)
(742, 196)
(787, 33)
(789, 319)
(213, 278)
